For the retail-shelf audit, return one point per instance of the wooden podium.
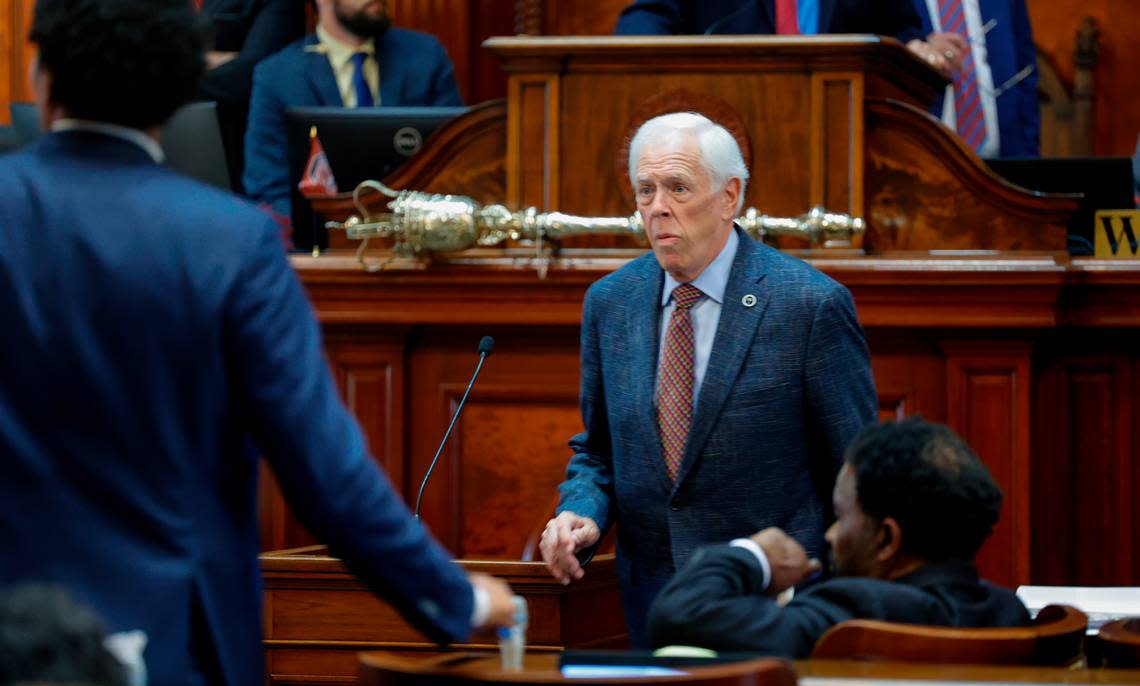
(318, 616)
(974, 313)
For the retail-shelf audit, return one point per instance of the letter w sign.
(1117, 233)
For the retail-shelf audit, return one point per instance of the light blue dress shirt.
(706, 313)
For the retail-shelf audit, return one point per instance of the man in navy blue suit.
(914, 505)
(721, 379)
(1001, 77)
(355, 59)
(156, 341)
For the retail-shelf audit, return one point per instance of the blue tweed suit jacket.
(414, 72)
(788, 385)
(156, 342)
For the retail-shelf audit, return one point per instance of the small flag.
(318, 178)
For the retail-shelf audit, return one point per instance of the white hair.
(719, 151)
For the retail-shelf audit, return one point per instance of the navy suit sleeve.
(652, 18)
(841, 396)
(589, 486)
(923, 14)
(1028, 105)
(716, 601)
(318, 454)
(266, 176)
(898, 18)
(276, 24)
(444, 90)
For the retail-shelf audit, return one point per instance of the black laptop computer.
(1105, 182)
(361, 144)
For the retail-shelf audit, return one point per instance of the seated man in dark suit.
(245, 32)
(913, 505)
(355, 59)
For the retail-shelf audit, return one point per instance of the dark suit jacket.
(1009, 49)
(788, 385)
(677, 17)
(414, 71)
(156, 341)
(717, 602)
(255, 29)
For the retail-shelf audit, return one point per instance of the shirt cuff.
(752, 547)
(481, 608)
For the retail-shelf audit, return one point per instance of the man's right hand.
(501, 608)
(786, 557)
(563, 536)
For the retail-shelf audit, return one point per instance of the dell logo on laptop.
(408, 141)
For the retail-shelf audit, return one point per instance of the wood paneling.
(15, 53)
(1085, 428)
(496, 477)
(505, 484)
(1116, 109)
(462, 26)
(987, 388)
(837, 143)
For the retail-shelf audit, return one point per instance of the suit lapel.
(768, 8)
(643, 316)
(319, 74)
(391, 77)
(826, 11)
(734, 335)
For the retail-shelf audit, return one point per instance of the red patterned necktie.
(968, 113)
(675, 379)
(787, 17)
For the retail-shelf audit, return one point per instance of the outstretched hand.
(564, 536)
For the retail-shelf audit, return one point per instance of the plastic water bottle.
(512, 640)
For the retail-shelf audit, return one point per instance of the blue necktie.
(359, 83)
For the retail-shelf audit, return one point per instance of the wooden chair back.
(1120, 643)
(1054, 638)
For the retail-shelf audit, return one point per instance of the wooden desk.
(851, 673)
(317, 616)
(543, 667)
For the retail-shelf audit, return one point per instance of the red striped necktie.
(675, 379)
(787, 18)
(968, 113)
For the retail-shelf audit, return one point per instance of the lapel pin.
(748, 300)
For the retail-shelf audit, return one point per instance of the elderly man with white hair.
(721, 380)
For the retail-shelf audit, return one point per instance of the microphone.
(486, 345)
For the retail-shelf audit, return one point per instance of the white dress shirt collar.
(714, 279)
(126, 133)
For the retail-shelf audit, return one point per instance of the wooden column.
(987, 391)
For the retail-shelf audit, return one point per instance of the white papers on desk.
(1101, 603)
